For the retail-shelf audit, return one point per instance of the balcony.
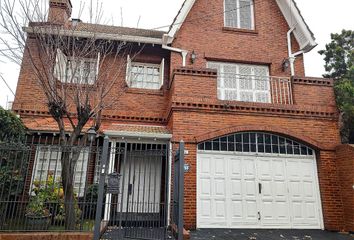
(252, 88)
(202, 90)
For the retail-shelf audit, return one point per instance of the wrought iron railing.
(32, 195)
(255, 88)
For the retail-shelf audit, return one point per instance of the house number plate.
(113, 180)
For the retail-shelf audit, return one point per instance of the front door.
(142, 183)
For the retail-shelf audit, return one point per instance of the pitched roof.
(48, 124)
(98, 28)
(289, 8)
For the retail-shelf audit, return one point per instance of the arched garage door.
(257, 180)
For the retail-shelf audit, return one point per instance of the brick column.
(332, 205)
(190, 188)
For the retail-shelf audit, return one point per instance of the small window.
(81, 71)
(239, 14)
(144, 75)
(76, 70)
(48, 161)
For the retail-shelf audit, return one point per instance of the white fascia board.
(138, 134)
(294, 19)
(180, 18)
(102, 36)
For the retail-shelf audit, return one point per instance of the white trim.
(180, 18)
(137, 134)
(295, 20)
(95, 35)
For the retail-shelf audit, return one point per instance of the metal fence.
(32, 195)
(121, 189)
(178, 192)
(133, 191)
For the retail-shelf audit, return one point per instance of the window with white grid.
(76, 70)
(81, 71)
(48, 161)
(242, 82)
(144, 75)
(239, 14)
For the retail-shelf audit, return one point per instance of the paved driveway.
(240, 234)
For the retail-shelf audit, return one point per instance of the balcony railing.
(253, 88)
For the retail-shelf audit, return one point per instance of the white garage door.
(257, 188)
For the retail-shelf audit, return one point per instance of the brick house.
(228, 79)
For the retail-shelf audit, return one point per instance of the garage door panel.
(251, 213)
(229, 192)
(205, 208)
(205, 187)
(219, 166)
(220, 210)
(205, 165)
(249, 189)
(236, 188)
(235, 168)
(219, 187)
(264, 168)
(278, 169)
(279, 189)
(236, 210)
(249, 168)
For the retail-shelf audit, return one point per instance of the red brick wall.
(121, 100)
(195, 126)
(203, 31)
(345, 165)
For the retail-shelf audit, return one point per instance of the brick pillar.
(190, 188)
(345, 165)
(332, 205)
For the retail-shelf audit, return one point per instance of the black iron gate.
(133, 191)
(178, 192)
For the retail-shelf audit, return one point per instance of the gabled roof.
(289, 8)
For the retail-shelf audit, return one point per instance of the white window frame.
(62, 73)
(47, 152)
(254, 78)
(131, 64)
(239, 15)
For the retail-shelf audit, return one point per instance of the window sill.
(145, 91)
(239, 30)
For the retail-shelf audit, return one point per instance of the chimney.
(59, 11)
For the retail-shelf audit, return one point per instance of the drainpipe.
(183, 52)
(292, 56)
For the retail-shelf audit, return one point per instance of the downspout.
(183, 52)
(292, 56)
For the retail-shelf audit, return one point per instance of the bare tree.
(77, 69)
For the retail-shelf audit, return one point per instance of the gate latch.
(260, 188)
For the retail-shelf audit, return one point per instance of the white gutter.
(292, 56)
(84, 34)
(183, 52)
(161, 136)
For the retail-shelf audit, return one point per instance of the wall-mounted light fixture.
(193, 57)
(285, 64)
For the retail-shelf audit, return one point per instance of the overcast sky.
(322, 16)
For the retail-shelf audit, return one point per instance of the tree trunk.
(68, 187)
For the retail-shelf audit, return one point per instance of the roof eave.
(102, 36)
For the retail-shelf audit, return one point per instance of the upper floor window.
(75, 69)
(144, 75)
(242, 82)
(239, 14)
